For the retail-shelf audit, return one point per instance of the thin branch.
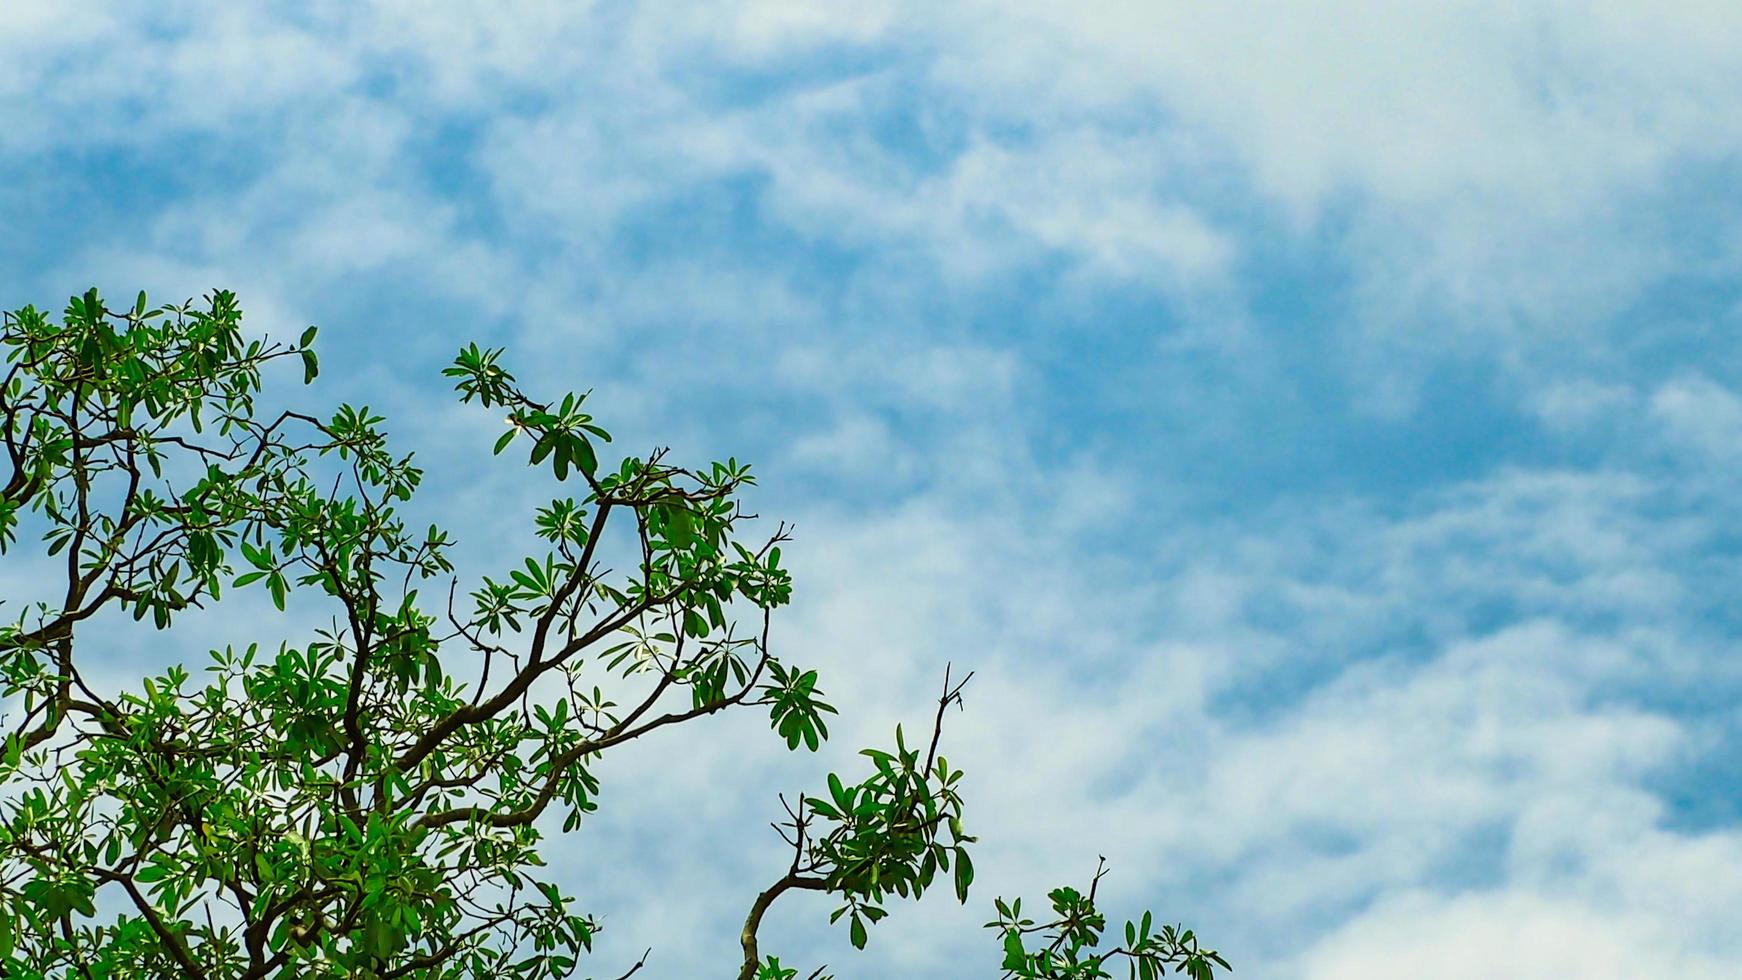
(753, 921)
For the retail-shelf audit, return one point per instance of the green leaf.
(680, 527)
(542, 448)
(857, 932)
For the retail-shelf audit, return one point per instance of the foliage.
(350, 806)
(1074, 938)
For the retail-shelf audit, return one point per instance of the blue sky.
(1317, 424)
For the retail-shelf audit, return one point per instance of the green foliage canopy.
(353, 806)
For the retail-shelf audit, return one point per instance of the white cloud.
(1464, 672)
(1520, 936)
(1701, 415)
(1497, 777)
(1488, 171)
(1411, 102)
(1481, 166)
(1571, 406)
(771, 27)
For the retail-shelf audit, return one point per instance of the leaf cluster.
(1069, 943)
(370, 799)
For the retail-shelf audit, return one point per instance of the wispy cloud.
(1311, 422)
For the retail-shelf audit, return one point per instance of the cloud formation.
(1313, 423)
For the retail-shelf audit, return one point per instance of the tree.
(369, 802)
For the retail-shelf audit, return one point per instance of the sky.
(1316, 424)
